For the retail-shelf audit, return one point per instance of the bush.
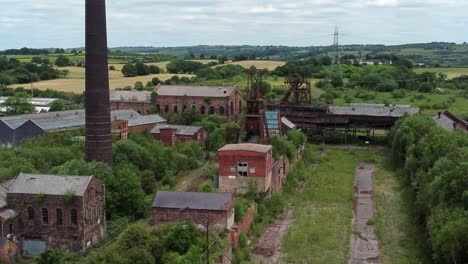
(398, 93)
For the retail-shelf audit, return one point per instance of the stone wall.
(240, 185)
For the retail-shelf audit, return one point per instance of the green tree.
(222, 59)
(18, 104)
(63, 61)
(141, 69)
(139, 86)
(57, 105)
(129, 70)
(153, 69)
(49, 256)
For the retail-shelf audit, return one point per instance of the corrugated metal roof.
(147, 119)
(49, 184)
(385, 111)
(130, 96)
(8, 214)
(36, 101)
(180, 130)
(247, 147)
(198, 91)
(193, 200)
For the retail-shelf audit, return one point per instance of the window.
(184, 107)
(252, 170)
(86, 215)
(30, 213)
(221, 110)
(175, 109)
(233, 169)
(158, 108)
(232, 108)
(45, 216)
(194, 107)
(59, 215)
(240, 106)
(242, 168)
(212, 110)
(202, 109)
(166, 108)
(73, 217)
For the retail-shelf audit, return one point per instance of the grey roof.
(4, 187)
(180, 130)
(36, 101)
(247, 147)
(130, 96)
(385, 111)
(198, 91)
(193, 200)
(287, 122)
(63, 120)
(50, 184)
(146, 119)
(8, 214)
(450, 122)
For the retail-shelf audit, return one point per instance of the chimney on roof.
(439, 114)
(97, 102)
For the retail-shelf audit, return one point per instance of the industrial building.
(169, 134)
(194, 207)
(174, 99)
(40, 104)
(57, 211)
(450, 122)
(241, 164)
(13, 129)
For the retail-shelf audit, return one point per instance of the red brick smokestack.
(98, 121)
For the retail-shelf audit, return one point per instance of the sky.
(167, 23)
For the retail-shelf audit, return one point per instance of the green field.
(451, 72)
(322, 225)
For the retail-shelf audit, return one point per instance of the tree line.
(13, 71)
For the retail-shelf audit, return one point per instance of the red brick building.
(206, 100)
(194, 207)
(65, 212)
(140, 101)
(240, 164)
(169, 134)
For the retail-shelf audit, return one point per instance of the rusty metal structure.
(97, 105)
(298, 92)
(254, 125)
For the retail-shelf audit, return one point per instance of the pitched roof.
(146, 119)
(49, 184)
(192, 90)
(193, 200)
(370, 110)
(247, 147)
(450, 122)
(180, 130)
(130, 96)
(4, 187)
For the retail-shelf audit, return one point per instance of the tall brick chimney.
(98, 121)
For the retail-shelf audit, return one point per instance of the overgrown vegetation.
(434, 164)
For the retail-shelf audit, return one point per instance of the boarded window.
(59, 214)
(73, 217)
(45, 216)
(30, 213)
(233, 169)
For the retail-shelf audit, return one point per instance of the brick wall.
(140, 107)
(142, 128)
(67, 236)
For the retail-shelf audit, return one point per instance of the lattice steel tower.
(336, 62)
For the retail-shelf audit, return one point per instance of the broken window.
(202, 109)
(30, 213)
(73, 217)
(242, 169)
(175, 109)
(45, 216)
(59, 215)
(212, 110)
(166, 108)
(233, 169)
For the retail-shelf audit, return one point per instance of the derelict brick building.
(47, 214)
(240, 164)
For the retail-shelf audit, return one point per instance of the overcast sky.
(60, 23)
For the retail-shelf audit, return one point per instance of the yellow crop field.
(259, 64)
(75, 81)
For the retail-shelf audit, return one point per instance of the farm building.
(140, 101)
(240, 164)
(13, 129)
(450, 122)
(169, 134)
(65, 212)
(194, 207)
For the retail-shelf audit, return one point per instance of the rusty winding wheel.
(298, 90)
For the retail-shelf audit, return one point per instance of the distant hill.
(444, 53)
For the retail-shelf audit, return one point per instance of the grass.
(321, 230)
(451, 72)
(322, 227)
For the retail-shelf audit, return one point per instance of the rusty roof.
(197, 91)
(193, 200)
(247, 147)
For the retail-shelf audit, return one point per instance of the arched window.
(240, 106)
(194, 107)
(30, 213)
(175, 109)
(184, 107)
(73, 217)
(59, 216)
(232, 108)
(221, 110)
(212, 110)
(166, 108)
(158, 108)
(45, 216)
(202, 109)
